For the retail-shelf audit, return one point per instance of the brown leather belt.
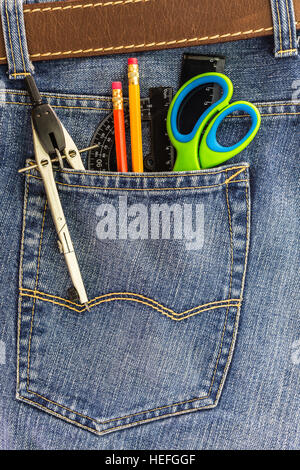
(86, 28)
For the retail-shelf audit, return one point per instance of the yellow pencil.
(135, 116)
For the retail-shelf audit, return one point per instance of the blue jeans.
(192, 340)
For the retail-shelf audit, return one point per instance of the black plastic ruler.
(154, 111)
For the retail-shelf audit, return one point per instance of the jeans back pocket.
(163, 258)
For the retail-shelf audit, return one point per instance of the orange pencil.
(135, 115)
(120, 140)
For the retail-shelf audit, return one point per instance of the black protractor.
(153, 110)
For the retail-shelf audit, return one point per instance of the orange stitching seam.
(237, 313)
(95, 431)
(230, 283)
(150, 44)
(109, 109)
(266, 114)
(128, 416)
(234, 175)
(34, 292)
(131, 424)
(286, 50)
(21, 46)
(147, 45)
(138, 175)
(36, 283)
(56, 106)
(133, 299)
(114, 419)
(20, 73)
(135, 189)
(289, 21)
(277, 104)
(136, 46)
(105, 109)
(279, 24)
(87, 5)
(280, 114)
(135, 414)
(123, 417)
(8, 26)
(21, 280)
(104, 98)
(64, 97)
(201, 398)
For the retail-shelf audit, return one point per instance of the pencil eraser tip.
(132, 60)
(116, 85)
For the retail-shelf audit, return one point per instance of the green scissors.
(191, 155)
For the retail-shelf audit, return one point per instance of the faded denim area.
(150, 359)
(160, 332)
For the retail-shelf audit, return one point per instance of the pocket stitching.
(108, 298)
(141, 189)
(166, 175)
(227, 304)
(166, 406)
(36, 284)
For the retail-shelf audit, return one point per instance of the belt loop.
(19, 64)
(285, 35)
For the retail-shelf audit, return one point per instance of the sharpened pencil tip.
(87, 306)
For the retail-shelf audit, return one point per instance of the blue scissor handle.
(211, 153)
(191, 156)
(211, 138)
(186, 89)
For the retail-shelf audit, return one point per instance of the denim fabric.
(185, 347)
(13, 27)
(284, 28)
(159, 336)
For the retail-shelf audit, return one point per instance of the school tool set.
(159, 157)
(195, 149)
(203, 98)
